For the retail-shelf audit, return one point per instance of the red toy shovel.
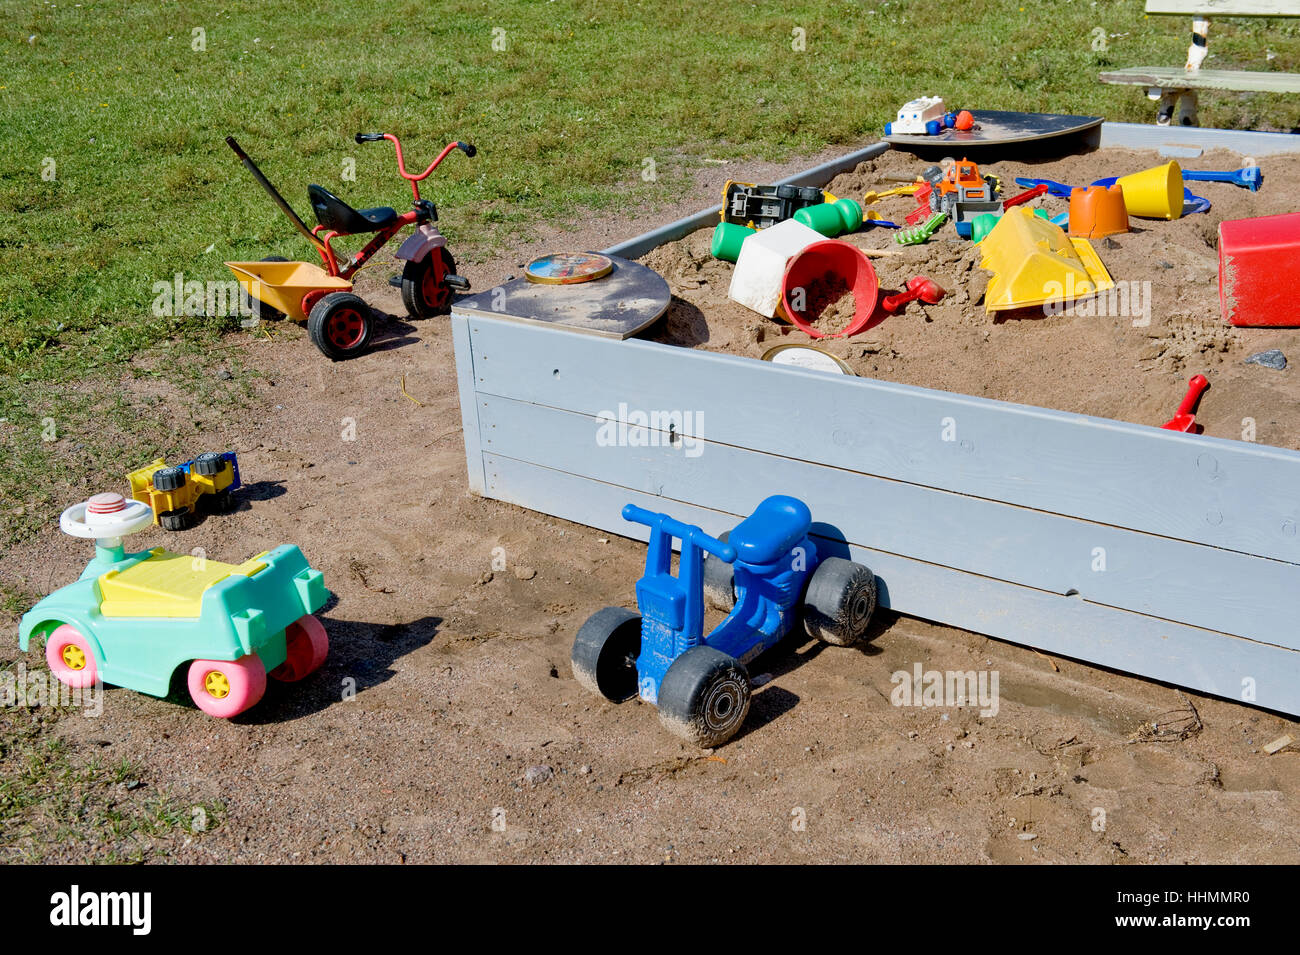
(1185, 420)
(920, 287)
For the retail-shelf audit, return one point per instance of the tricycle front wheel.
(704, 697)
(425, 292)
(605, 653)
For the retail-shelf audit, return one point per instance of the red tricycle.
(339, 321)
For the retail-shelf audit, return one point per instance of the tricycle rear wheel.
(839, 602)
(340, 325)
(425, 293)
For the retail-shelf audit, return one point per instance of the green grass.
(57, 803)
(116, 177)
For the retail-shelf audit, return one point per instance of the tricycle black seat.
(333, 213)
(775, 527)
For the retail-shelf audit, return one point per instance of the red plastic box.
(1259, 270)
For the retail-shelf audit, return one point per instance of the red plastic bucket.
(835, 259)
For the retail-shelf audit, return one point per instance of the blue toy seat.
(776, 526)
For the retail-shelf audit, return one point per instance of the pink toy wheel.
(223, 688)
(70, 658)
(307, 644)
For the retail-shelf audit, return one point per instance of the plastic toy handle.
(1195, 388)
(136, 516)
(719, 549)
(469, 149)
(370, 137)
(1025, 196)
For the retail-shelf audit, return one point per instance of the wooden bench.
(1176, 89)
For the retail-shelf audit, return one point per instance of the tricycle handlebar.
(685, 532)
(466, 148)
(369, 137)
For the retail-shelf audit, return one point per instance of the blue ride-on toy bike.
(766, 571)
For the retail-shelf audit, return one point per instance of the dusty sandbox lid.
(618, 305)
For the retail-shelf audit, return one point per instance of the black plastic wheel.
(340, 325)
(209, 463)
(259, 309)
(839, 602)
(221, 502)
(704, 696)
(169, 479)
(605, 651)
(719, 581)
(424, 293)
(177, 520)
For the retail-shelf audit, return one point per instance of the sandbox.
(1000, 475)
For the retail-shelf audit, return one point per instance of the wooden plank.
(469, 425)
(1200, 660)
(1202, 586)
(1224, 8)
(1195, 140)
(1175, 78)
(1226, 494)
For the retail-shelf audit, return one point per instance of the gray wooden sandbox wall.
(1166, 555)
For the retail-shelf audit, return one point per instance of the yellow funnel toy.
(1034, 262)
(1155, 193)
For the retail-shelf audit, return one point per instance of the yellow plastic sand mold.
(282, 285)
(1034, 262)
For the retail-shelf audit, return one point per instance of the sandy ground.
(446, 725)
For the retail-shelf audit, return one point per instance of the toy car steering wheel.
(105, 516)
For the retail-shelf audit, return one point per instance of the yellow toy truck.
(174, 493)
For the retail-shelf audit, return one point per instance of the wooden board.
(1227, 494)
(630, 298)
(1224, 8)
(1176, 78)
(997, 127)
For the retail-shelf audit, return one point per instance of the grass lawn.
(115, 175)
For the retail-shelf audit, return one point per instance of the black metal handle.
(369, 137)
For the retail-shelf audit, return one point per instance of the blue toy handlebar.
(685, 532)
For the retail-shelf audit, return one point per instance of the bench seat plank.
(1176, 78)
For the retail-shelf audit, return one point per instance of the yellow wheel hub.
(217, 685)
(74, 658)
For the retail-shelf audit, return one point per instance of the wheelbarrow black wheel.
(719, 581)
(425, 292)
(605, 652)
(839, 602)
(704, 697)
(259, 309)
(340, 325)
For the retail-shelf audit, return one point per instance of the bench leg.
(1176, 106)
